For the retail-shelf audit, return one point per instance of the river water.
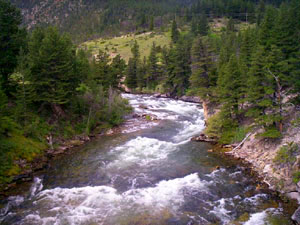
(151, 173)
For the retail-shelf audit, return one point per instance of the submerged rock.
(204, 138)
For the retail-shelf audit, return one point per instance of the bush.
(240, 134)
(37, 128)
(222, 128)
(271, 133)
(296, 177)
(286, 154)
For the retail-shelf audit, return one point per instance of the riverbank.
(274, 161)
(118, 179)
(29, 169)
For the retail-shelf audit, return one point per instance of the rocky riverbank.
(264, 155)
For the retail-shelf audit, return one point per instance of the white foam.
(36, 187)
(189, 130)
(96, 204)
(221, 212)
(13, 201)
(255, 200)
(141, 151)
(163, 108)
(257, 218)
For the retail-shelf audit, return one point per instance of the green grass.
(122, 45)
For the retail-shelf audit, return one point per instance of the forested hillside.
(87, 19)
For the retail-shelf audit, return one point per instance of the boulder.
(294, 195)
(204, 138)
(296, 216)
(143, 106)
(298, 186)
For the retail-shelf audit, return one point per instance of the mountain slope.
(87, 19)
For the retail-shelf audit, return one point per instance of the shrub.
(221, 127)
(240, 134)
(296, 177)
(286, 154)
(270, 132)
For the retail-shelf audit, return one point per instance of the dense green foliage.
(245, 71)
(11, 39)
(49, 89)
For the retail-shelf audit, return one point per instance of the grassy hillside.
(122, 45)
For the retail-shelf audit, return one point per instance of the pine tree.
(133, 67)
(261, 92)
(194, 27)
(174, 32)
(12, 38)
(179, 69)
(203, 26)
(118, 67)
(266, 31)
(260, 11)
(247, 45)
(82, 66)
(153, 69)
(229, 86)
(51, 62)
(131, 74)
(230, 25)
(151, 25)
(103, 70)
(141, 75)
(201, 80)
(24, 91)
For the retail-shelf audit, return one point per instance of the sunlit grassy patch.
(122, 45)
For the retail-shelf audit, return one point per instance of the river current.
(151, 173)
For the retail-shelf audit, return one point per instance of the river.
(151, 173)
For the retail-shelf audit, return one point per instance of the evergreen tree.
(194, 27)
(153, 69)
(151, 25)
(247, 45)
(102, 75)
(179, 68)
(201, 80)
(141, 75)
(229, 86)
(174, 32)
(82, 66)
(261, 92)
(131, 74)
(51, 62)
(133, 67)
(230, 25)
(260, 12)
(266, 31)
(12, 38)
(118, 67)
(23, 91)
(203, 26)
